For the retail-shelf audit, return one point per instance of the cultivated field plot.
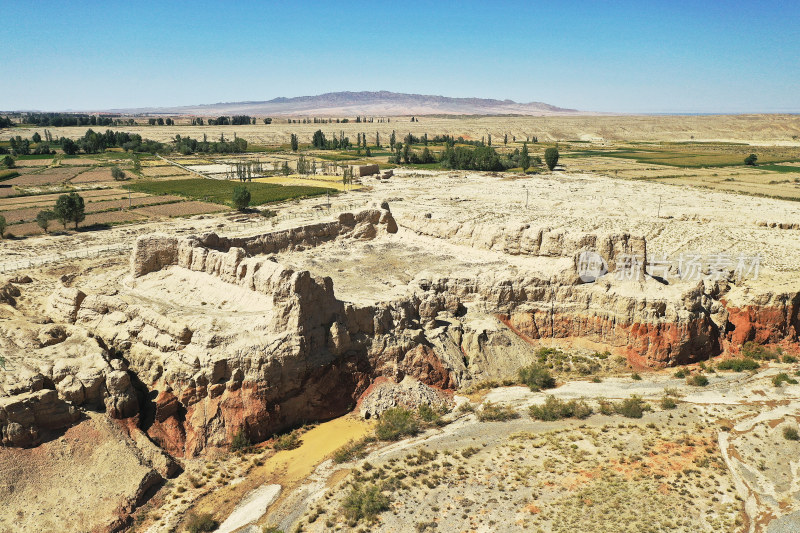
(77, 161)
(695, 155)
(156, 172)
(94, 175)
(182, 209)
(28, 214)
(48, 176)
(221, 192)
(33, 163)
(334, 182)
(45, 200)
(766, 180)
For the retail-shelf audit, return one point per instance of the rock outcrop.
(197, 372)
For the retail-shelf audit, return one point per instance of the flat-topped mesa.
(156, 251)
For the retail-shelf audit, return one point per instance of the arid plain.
(182, 361)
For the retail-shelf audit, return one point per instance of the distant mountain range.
(379, 103)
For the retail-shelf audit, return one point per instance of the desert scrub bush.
(355, 449)
(783, 377)
(364, 503)
(697, 380)
(491, 412)
(556, 409)
(636, 377)
(201, 523)
(756, 351)
(466, 407)
(668, 402)
(789, 359)
(396, 423)
(426, 413)
(790, 433)
(240, 440)
(468, 452)
(536, 377)
(738, 365)
(289, 441)
(606, 407)
(271, 529)
(633, 407)
(680, 373)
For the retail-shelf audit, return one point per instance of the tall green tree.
(69, 146)
(294, 142)
(2, 226)
(524, 158)
(551, 158)
(70, 208)
(392, 140)
(241, 197)
(43, 219)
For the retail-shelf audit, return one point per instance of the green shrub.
(240, 440)
(555, 409)
(117, 173)
(551, 157)
(738, 365)
(430, 416)
(493, 412)
(289, 441)
(789, 359)
(680, 373)
(365, 503)
(633, 407)
(790, 433)
(756, 351)
(606, 407)
(668, 403)
(536, 377)
(697, 380)
(396, 423)
(636, 377)
(783, 377)
(201, 523)
(241, 197)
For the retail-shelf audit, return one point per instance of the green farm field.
(221, 192)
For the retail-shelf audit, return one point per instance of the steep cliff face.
(211, 335)
(309, 356)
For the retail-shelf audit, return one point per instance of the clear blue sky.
(638, 56)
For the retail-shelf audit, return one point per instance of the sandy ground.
(756, 129)
(688, 469)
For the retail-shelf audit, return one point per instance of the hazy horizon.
(629, 58)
